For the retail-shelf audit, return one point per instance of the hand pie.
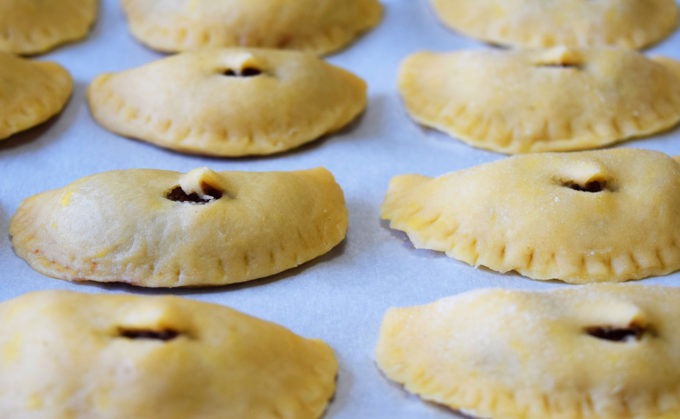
(540, 23)
(592, 216)
(317, 26)
(605, 351)
(228, 102)
(542, 100)
(30, 93)
(157, 228)
(70, 355)
(37, 26)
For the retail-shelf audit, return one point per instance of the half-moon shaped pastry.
(30, 93)
(540, 23)
(71, 355)
(592, 216)
(157, 228)
(37, 26)
(228, 102)
(542, 100)
(604, 351)
(317, 26)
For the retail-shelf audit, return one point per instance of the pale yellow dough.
(65, 355)
(555, 99)
(605, 351)
(123, 226)
(317, 26)
(30, 93)
(204, 102)
(546, 23)
(37, 26)
(592, 216)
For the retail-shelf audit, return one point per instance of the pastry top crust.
(608, 215)
(30, 92)
(36, 26)
(595, 351)
(317, 26)
(71, 355)
(546, 23)
(234, 102)
(159, 228)
(555, 99)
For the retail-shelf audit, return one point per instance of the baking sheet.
(340, 297)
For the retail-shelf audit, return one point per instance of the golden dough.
(542, 100)
(36, 26)
(593, 216)
(78, 356)
(30, 93)
(317, 26)
(605, 351)
(228, 102)
(546, 23)
(158, 228)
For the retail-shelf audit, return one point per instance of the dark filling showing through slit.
(593, 186)
(616, 334)
(178, 195)
(564, 65)
(246, 72)
(164, 335)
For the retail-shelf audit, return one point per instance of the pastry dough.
(232, 102)
(158, 228)
(592, 216)
(30, 92)
(318, 26)
(69, 355)
(545, 23)
(36, 26)
(606, 351)
(542, 100)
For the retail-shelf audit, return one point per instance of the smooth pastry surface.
(30, 92)
(70, 355)
(316, 26)
(601, 351)
(36, 26)
(157, 228)
(546, 23)
(228, 102)
(555, 99)
(594, 216)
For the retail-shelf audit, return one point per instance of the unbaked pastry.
(36, 26)
(542, 100)
(30, 92)
(317, 26)
(546, 23)
(157, 228)
(70, 355)
(606, 351)
(228, 102)
(593, 216)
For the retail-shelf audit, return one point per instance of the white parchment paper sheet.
(342, 296)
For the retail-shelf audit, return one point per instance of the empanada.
(69, 355)
(317, 26)
(159, 228)
(605, 351)
(228, 102)
(556, 99)
(546, 23)
(593, 216)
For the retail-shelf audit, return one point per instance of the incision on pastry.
(36, 26)
(228, 102)
(71, 355)
(317, 26)
(542, 100)
(591, 216)
(159, 228)
(30, 92)
(546, 23)
(605, 351)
